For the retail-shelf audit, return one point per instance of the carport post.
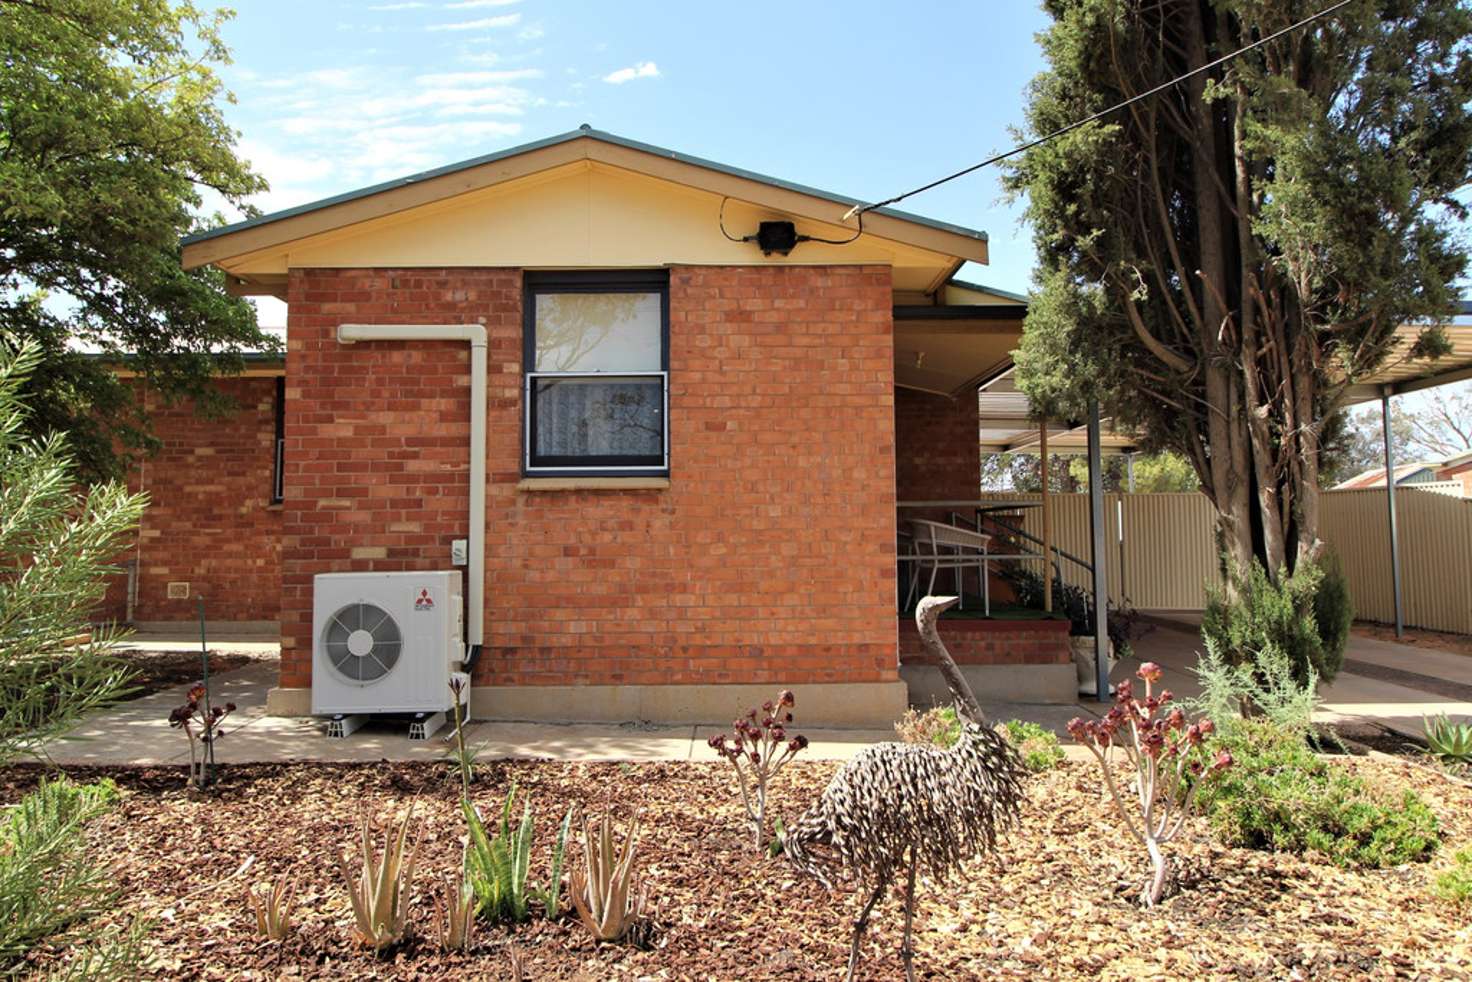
(1400, 627)
(1096, 554)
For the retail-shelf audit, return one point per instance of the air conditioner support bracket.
(425, 725)
(341, 726)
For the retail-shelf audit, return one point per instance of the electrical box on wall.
(459, 552)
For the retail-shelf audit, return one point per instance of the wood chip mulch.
(1457, 644)
(159, 671)
(1059, 906)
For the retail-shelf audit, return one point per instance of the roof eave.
(203, 248)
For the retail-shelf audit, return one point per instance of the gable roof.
(584, 143)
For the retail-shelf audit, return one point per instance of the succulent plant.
(272, 909)
(1450, 741)
(455, 913)
(379, 888)
(497, 866)
(1164, 765)
(609, 899)
(758, 747)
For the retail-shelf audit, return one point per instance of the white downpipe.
(475, 334)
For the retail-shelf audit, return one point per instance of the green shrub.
(1455, 885)
(1038, 746)
(1267, 685)
(1306, 616)
(1281, 796)
(939, 726)
(1333, 610)
(1076, 604)
(49, 877)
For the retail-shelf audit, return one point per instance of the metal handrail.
(1032, 538)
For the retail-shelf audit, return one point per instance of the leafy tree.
(57, 546)
(1154, 473)
(1350, 444)
(111, 135)
(1432, 425)
(1441, 426)
(1219, 261)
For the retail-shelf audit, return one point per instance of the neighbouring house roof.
(615, 202)
(254, 363)
(1375, 476)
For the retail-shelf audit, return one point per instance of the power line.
(860, 209)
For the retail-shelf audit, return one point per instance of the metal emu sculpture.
(897, 807)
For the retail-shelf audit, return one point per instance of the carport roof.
(1401, 373)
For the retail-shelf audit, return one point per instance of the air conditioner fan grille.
(362, 642)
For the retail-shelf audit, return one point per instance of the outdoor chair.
(936, 546)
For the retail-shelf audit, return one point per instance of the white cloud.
(414, 5)
(478, 78)
(644, 69)
(472, 4)
(504, 20)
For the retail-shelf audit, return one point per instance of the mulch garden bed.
(1458, 644)
(1059, 905)
(158, 671)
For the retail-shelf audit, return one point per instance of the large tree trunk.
(1229, 460)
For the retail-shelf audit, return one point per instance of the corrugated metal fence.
(1161, 553)
(1435, 554)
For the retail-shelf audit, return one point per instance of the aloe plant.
(1450, 741)
(379, 890)
(608, 899)
(272, 909)
(455, 913)
(497, 867)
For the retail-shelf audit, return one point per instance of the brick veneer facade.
(210, 521)
(937, 446)
(984, 642)
(770, 558)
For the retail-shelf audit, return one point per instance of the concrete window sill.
(593, 484)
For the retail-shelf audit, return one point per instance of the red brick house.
(704, 394)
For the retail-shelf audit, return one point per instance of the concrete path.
(137, 732)
(1393, 685)
(1382, 683)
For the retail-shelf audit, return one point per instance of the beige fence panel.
(1167, 555)
(1164, 559)
(1435, 554)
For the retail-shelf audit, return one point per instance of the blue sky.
(865, 99)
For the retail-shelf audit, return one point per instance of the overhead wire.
(1156, 90)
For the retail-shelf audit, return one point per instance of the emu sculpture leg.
(861, 923)
(907, 951)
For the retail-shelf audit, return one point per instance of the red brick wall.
(769, 558)
(938, 458)
(210, 521)
(938, 446)
(980, 642)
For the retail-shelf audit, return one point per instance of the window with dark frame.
(596, 364)
(278, 447)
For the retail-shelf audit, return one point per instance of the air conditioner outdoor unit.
(385, 642)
